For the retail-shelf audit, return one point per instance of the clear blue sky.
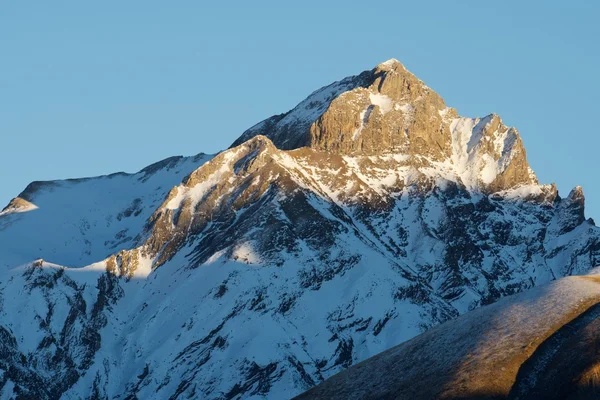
(89, 88)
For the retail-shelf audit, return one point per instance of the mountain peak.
(576, 194)
(392, 63)
(388, 110)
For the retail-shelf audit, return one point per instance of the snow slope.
(77, 222)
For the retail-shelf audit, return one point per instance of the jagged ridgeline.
(366, 215)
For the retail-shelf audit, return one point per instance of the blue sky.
(89, 88)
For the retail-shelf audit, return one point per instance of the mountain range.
(362, 218)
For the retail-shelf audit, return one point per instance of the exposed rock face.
(365, 216)
(390, 111)
(396, 113)
(16, 205)
(290, 130)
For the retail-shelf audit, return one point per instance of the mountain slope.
(537, 344)
(365, 216)
(76, 222)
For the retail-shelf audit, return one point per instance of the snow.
(385, 105)
(6, 392)
(198, 191)
(390, 63)
(319, 283)
(522, 192)
(461, 355)
(405, 108)
(384, 102)
(471, 164)
(80, 222)
(21, 209)
(443, 113)
(166, 316)
(363, 120)
(245, 252)
(144, 268)
(594, 271)
(175, 202)
(489, 170)
(317, 102)
(378, 182)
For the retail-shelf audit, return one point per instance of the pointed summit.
(388, 110)
(392, 63)
(388, 86)
(576, 194)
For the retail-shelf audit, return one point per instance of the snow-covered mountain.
(366, 215)
(539, 344)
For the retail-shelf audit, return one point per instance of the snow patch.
(384, 102)
(405, 108)
(522, 192)
(246, 253)
(363, 121)
(389, 63)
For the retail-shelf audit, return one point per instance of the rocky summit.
(368, 214)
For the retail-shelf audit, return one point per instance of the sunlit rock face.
(368, 214)
(390, 111)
